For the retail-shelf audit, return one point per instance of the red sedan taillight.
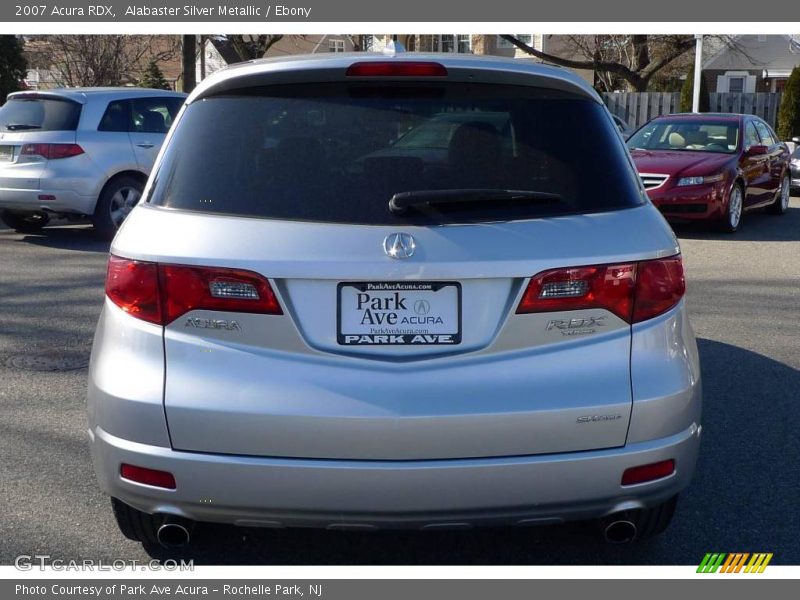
(633, 291)
(161, 293)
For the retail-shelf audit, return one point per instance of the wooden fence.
(637, 108)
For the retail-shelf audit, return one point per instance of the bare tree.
(99, 60)
(633, 59)
(249, 47)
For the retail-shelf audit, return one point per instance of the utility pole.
(188, 54)
(698, 72)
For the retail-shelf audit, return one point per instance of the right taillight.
(659, 287)
(633, 291)
(161, 293)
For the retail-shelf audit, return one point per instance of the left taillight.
(634, 292)
(51, 151)
(161, 293)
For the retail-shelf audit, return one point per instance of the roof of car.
(303, 68)
(82, 94)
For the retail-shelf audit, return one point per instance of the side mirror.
(757, 150)
(796, 139)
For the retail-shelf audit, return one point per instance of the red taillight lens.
(133, 286)
(162, 293)
(634, 292)
(51, 151)
(649, 472)
(396, 69)
(605, 286)
(659, 286)
(161, 479)
(192, 288)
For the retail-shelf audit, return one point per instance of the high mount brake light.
(634, 292)
(403, 68)
(161, 293)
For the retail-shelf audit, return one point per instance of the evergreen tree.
(153, 78)
(687, 92)
(789, 112)
(13, 66)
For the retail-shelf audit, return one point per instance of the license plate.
(399, 313)
(6, 153)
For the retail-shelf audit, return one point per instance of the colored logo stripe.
(734, 562)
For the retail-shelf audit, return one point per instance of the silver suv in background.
(79, 152)
(310, 323)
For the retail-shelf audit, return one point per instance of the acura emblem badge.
(399, 245)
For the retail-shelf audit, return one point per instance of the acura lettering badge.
(399, 245)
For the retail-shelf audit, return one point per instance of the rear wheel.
(116, 200)
(733, 214)
(781, 204)
(25, 222)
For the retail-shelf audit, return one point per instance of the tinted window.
(751, 136)
(117, 117)
(701, 135)
(39, 114)
(337, 153)
(154, 115)
(764, 134)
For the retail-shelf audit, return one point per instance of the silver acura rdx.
(380, 291)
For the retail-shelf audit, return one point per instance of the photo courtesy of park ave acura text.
(399, 298)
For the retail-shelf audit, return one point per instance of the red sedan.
(712, 167)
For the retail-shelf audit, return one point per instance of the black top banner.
(453, 11)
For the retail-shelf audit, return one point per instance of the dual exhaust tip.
(175, 532)
(619, 530)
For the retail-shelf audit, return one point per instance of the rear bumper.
(29, 200)
(276, 492)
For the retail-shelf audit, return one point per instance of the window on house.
(736, 85)
(448, 43)
(526, 38)
(335, 45)
(465, 43)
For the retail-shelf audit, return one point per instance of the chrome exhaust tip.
(175, 532)
(619, 531)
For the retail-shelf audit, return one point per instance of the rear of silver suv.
(79, 152)
(309, 322)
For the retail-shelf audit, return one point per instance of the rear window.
(39, 114)
(339, 152)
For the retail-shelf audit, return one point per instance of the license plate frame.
(411, 338)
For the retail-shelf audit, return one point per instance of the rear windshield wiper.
(21, 126)
(401, 201)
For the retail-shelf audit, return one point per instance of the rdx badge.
(576, 326)
(213, 324)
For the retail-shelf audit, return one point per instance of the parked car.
(795, 166)
(79, 152)
(712, 167)
(625, 129)
(295, 336)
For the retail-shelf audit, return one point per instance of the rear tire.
(117, 199)
(735, 208)
(24, 222)
(781, 204)
(136, 525)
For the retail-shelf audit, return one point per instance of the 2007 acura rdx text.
(385, 291)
